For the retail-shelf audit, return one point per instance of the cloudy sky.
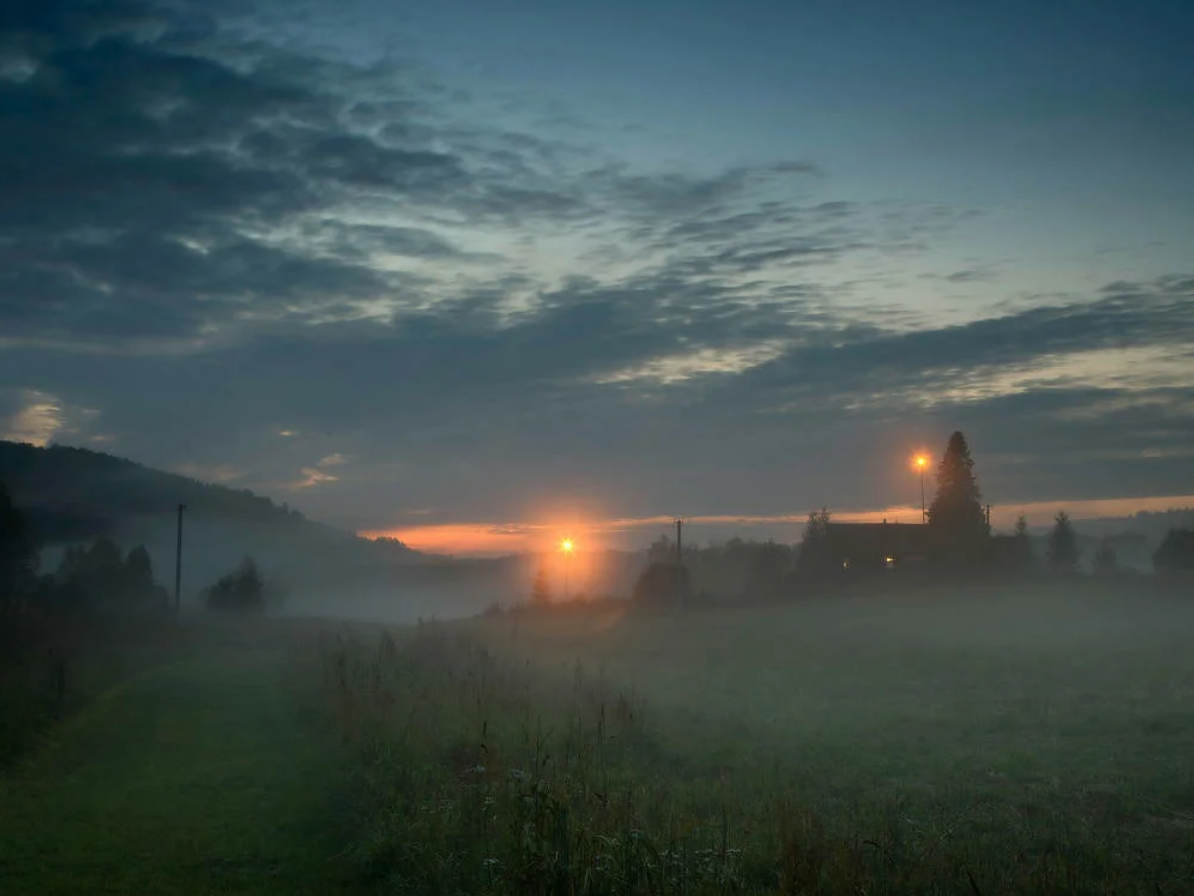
(462, 269)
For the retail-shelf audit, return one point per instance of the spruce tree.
(1063, 544)
(956, 519)
(138, 569)
(1022, 544)
(541, 588)
(1021, 529)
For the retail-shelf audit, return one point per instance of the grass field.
(998, 742)
(196, 777)
(993, 742)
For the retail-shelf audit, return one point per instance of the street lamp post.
(920, 464)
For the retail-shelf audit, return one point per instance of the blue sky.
(461, 263)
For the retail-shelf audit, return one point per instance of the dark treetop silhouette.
(957, 524)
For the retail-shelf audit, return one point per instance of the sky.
(476, 273)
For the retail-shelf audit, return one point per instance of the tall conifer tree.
(956, 518)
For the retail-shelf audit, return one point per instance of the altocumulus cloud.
(239, 254)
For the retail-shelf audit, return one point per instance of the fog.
(978, 702)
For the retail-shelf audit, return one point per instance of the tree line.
(957, 539)
(100, 579)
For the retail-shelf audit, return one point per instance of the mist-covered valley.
(596, 448)
(880, 707)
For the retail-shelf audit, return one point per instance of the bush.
(1176, 553)
(1105, 562)
(242, 590)
(662, 584)
(541, 588)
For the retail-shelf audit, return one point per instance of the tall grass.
(50, 667)
(493, 776)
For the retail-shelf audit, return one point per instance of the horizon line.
(489, 538)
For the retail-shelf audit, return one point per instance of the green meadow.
(995, 741)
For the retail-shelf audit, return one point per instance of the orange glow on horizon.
(463, 538)
(493, 539)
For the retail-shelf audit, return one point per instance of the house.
(874, 547)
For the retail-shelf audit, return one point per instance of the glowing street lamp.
(566, 546)
(921, 463)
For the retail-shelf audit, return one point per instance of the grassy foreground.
(197, 777)
(991, 743)
(984, 743)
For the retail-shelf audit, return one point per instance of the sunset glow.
(482, 539)
(489, 539)
(486, 307)
(597, 447)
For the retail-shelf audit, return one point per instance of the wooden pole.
(679, 565)
(178, 563)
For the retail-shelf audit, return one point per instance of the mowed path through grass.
(200, 777)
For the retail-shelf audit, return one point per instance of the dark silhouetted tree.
(58, 599)
(1105, 563)
(242, 590)
(816, 555)
(768, 570)
(141, 592)
(662, 550)
(1175, 553)
(138, 569)
(70, 567)
(18, 554)
(103, 580)
(659, 583)
(957, 523)
(97, 572)
(541, 588)
(1063, 544)
(1021, 553)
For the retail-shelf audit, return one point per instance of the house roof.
(879, 538)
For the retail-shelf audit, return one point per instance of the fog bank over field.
(73, 496)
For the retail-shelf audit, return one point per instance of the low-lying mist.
(1029, 737)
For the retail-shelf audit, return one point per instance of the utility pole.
(921, 462)
(987, 512)
(178, 563)
(923, 514)
(679, 565)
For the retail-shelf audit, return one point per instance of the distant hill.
(74, 494)
(1151, 524)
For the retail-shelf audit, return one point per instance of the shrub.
(1176, 552)
(1105, 562)
(662, 584)
(1063, 545)
(242, 590)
